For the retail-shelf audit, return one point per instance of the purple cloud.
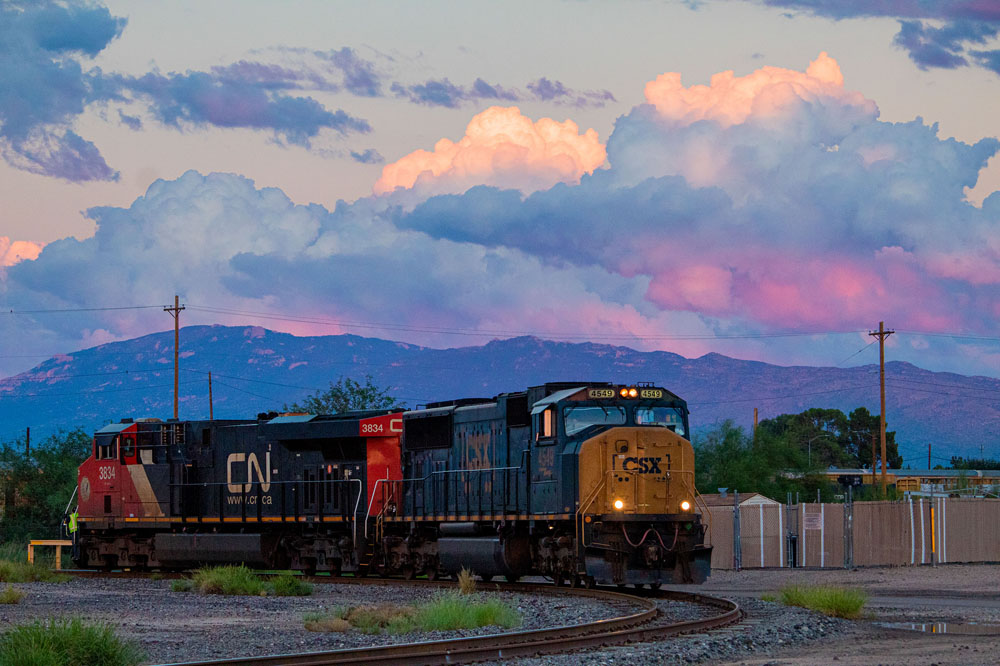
(442, 92)
(966, 22)
(44, 87)
(202, 99)
(369, 156)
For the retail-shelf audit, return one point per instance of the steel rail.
(615, 631)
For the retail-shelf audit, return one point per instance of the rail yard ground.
(173, 626)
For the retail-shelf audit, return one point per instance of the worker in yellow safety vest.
(71, 527)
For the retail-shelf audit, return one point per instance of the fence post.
(849, 529)
(737, 540)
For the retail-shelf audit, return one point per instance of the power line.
(61, 310)
(855, 353)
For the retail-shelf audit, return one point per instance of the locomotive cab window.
(545, 425)
(128, 446)
(107, 449)
(665, 417)
(578, 418)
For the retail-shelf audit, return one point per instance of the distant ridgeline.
(257, 370)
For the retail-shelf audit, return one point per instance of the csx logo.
(264, 477)
(645, 465)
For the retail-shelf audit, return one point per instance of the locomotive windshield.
(667, 417)
(578, 418)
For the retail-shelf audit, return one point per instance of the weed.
(452, 611)
(445, 612)
(66, 642)
(466, 582)
(769, 597)
(22, 572)
(329, 622)
(228, 580)
(11, 595)
(835, 601)
(288, 585)
(182, 585)
(156, 575)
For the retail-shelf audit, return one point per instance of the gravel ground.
(174, 627)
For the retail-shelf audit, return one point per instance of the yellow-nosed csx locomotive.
(580, 482)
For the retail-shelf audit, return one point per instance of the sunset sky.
(766, 179)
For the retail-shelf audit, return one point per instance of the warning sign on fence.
(812, 521)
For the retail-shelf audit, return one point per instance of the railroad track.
(635, 627)
(641, 625)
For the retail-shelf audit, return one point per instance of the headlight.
(619, 505)
(632, 393)
(685, 506)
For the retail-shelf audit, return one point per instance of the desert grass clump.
(22, 572)
(466, 582)
(182, 585)
(11, 595)
(288, 585)
(66, 642)
(445, 612)
(834, 601)
(448, 612)
(767, 596)
(228, 580)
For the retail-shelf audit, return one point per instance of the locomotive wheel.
(558, 579)
(589, 582)
(655, 586)
(409, 573)
(512, 578)
(574, 580)
(432, 575)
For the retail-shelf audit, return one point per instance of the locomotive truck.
(581, 482)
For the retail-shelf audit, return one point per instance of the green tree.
(346, 395)
(36, 488)
(958, 462)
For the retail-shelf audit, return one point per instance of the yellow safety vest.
(72, 522)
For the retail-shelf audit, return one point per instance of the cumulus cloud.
(966, 23)
(777, 201)
(11, 252)
(777, 198)
(501, 147)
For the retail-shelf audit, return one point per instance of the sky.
(767, 179)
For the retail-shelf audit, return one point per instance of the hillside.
(255, 369)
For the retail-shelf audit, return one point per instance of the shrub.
(466, 583)
(67, 642)
(288, 585)
(11, 595)
(228, 580)
(22, 572)
(446, 612)
(452, 611)
(182, 585)
(835, 601)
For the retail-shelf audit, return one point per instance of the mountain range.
(255, 369)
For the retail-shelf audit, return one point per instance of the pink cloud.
(501, 147)
(763, 94)
(12, 252)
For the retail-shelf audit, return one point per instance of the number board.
(601, 393)
(651, 393)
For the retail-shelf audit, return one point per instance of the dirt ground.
(955, 598)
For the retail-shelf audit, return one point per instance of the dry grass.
(466, 582)
(445, 612)
(11, 595)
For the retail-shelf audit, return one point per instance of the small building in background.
(726, 499)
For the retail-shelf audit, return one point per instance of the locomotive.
(583, 482)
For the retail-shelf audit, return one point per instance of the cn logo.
(264, 478)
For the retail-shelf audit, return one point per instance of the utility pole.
(874, 441)
(175, 312)
(211, 416)
(881, 334)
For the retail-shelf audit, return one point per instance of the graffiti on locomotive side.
(252, 466)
